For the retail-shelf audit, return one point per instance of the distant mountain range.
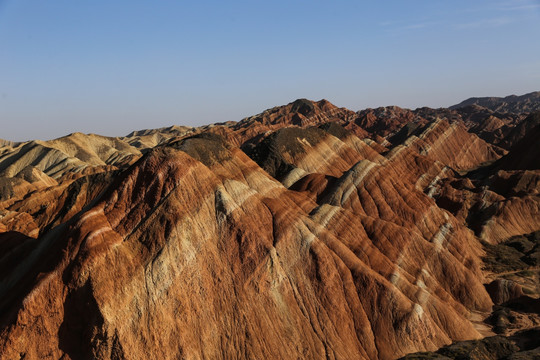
(510, 104)
(307, 231)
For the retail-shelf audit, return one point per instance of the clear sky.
(110, 67)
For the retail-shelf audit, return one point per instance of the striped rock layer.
(290, 234)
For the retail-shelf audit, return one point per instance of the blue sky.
(110, 67)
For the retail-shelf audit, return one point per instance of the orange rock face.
(289, 234)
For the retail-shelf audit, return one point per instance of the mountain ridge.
(513, 103)
(306, 231)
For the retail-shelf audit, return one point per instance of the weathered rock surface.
(523, 345)
(502, 290)
(289, 234)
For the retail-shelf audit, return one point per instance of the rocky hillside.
(509, 104)
(307, 231)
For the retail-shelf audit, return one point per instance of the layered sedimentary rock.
(289, 234)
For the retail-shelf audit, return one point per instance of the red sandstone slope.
(501, 200)
(233, 230)
(319, 244)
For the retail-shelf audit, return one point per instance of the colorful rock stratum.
(305, 232)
